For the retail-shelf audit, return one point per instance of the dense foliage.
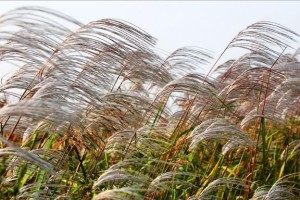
(95, 112)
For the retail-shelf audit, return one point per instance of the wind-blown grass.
(95, 112)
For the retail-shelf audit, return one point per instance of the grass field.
(97, 113)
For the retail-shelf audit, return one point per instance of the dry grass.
(99, 114)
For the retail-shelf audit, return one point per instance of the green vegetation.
(98, 114)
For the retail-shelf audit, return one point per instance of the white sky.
(210, 25)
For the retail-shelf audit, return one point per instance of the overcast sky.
(210, 25)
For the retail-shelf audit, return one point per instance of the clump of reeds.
(93, 111)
